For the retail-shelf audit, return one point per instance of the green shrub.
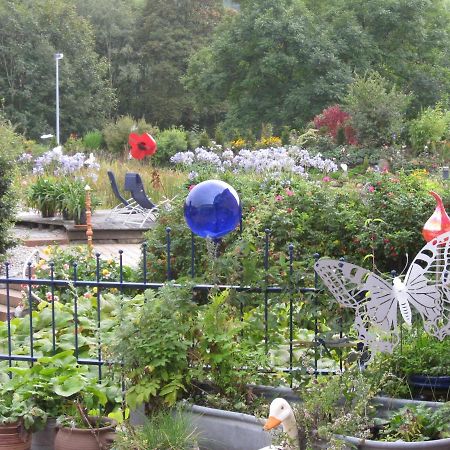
(204, 140)
(377, 110)
(11, 146)
(93, 140)
(285, 135)
(7, 202)
(432, 126)
(73, 145)
(116, 134)
(170, 141)
(219, 137)
(351, 155)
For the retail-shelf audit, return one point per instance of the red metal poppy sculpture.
(141, 145)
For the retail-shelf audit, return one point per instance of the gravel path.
(17, 257)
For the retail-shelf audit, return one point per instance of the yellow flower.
(238, 144)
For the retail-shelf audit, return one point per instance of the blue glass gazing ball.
(212, 209)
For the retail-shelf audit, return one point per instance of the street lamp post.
(58, 56)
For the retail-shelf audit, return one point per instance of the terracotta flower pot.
(14, 437)
(86, 439)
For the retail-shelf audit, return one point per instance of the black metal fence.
(290, 290)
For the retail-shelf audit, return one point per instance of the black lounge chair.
(134, 184)
(125, 206)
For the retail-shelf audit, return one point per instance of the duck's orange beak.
(272, 422)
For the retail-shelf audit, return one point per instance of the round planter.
(66, 215)
(367, 444)
(226, 430)
(45, 439)
(81, 219)
(14, 437)
(47, 212)
(384, 405)
(86, 439)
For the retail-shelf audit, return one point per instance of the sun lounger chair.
(125, 206)
(134, 184)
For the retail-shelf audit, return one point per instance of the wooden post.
(89, 232)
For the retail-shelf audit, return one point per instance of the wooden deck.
(110, 234)
(107, 228)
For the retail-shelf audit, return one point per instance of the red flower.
(142, 145)
(289, 193)
(278, 198)
(192, 186)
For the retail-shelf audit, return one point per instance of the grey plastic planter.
(441, 444)
(225, 430)
(386, 404)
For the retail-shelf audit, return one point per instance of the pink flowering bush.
(383, 216)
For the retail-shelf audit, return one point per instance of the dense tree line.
(192, 61)
(284, 61)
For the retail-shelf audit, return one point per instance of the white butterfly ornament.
(425, 291)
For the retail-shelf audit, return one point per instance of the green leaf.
(69, 386)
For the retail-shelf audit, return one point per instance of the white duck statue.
(281, 413)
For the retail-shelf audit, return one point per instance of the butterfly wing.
(372, 298)
(344, 280)
(428, 285)
(382, 306)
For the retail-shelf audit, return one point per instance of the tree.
(406, 41)
(31, 31)
(168, 32)
(284, 61)
(114, 22)
(270, 63)
(377, 110)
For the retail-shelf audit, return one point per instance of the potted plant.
(57, 384)
(43, 196)
(74, 200)
(79, 430)
(420, 367)
(18, 418)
